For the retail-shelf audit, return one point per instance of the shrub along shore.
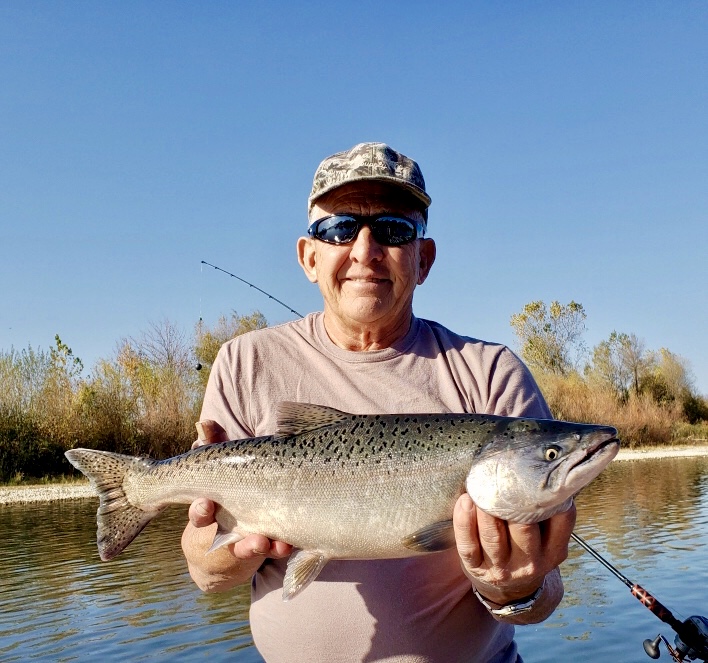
(146, 399)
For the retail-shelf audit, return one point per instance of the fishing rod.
(204, 262)
(691, 642)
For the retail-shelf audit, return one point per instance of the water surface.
(59, 602)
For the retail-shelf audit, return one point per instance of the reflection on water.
(59, 602)
(649, 518)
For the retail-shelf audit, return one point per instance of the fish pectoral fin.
(303, 567)
(226, 531)
(224, 538)
(431, 538)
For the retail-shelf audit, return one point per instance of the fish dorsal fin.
(297, 418)
(303, 567)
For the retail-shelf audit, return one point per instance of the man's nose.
(365, 248)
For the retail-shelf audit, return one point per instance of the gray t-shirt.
(418, 609)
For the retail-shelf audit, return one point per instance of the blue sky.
(565, 146)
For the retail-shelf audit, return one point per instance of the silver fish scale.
(396, 473)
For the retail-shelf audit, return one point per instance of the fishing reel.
(690, 644)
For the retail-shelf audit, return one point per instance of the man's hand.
(231, 565)
(509, 561)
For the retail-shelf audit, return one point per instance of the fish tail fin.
(119, 520)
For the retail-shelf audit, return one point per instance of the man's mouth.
(366, 279)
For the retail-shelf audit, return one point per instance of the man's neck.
(365, 337)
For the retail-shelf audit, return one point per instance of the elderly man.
(367, 353)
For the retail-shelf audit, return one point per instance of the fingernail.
(201, 509)
(466, 503)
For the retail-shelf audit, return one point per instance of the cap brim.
(411, 188)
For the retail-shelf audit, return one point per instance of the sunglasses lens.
(337, 229)
(393, 230)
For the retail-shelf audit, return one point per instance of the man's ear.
(427, 258)
(306, 256)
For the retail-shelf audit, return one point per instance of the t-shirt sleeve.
(222, 402)
(513, 392)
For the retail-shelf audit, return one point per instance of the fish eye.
(552, 453)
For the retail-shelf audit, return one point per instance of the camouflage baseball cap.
(368, 161)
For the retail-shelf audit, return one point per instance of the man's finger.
(525, 540)
(493, 539)
(556, 535)
(209, 432)
(280, 549)
(257, 545)
(201, 512)
(464, 521)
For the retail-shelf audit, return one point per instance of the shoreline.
(60, 491)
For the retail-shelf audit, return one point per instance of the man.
(367, 353)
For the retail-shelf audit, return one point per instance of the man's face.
(364, 283)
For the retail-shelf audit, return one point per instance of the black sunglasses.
(388, 230)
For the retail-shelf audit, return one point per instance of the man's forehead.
(384, 197)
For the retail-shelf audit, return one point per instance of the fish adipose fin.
(431, 538)
(119, 522)
(298, 418)
(303, 567)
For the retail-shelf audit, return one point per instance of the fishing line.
(275, 299)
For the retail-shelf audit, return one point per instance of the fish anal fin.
(298, 418)
(303, 567)
(431, 538)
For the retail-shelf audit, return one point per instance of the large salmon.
(346, 486)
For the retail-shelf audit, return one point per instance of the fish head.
(530, 469)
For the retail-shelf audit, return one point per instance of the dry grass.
(641, 421)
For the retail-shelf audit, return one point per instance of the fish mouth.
(598, 451)
(585, 464)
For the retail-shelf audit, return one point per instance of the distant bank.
(59, 491)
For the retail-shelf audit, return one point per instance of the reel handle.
(651, 647)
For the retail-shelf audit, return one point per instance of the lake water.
(59, 602)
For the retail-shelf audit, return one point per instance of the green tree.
(56, 403)
(550, 338)
(38, 409)
(669, 377)
(108, 410)
(633, 357)
(619, 363)
(22, 375)
(63, 360)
